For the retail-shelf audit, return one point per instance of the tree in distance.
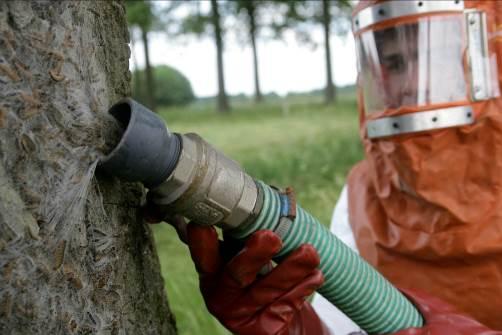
(171, 87)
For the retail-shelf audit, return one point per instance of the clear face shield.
(423, 70)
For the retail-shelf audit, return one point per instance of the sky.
(284, 65)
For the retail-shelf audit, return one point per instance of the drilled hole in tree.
(115, 128)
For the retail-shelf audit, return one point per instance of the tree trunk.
(222, 102)
(75, 257)
(252, 34)
(150, 81)
(326, 23)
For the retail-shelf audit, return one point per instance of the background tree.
(250, 9)
(223, 105)
(326, 24)
(171, 87)
(75, 256)
(303, 15)
(140, 15)
(200, 24)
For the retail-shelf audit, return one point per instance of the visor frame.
(479, 65)
(420, 121)
(396, 9)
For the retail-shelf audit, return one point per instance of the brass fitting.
(207, 187)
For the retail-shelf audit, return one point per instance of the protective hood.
(426, 206)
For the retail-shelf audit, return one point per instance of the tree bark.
(251, 11)
(222, 101)
(150, 80)
(326, 23)
(75, 256)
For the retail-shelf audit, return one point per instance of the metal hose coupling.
(207, 187)
(184, 173)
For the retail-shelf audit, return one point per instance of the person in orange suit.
(425, 205)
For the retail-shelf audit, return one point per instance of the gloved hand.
(249, 303)
(441, 319)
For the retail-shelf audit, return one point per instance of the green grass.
(305, 145)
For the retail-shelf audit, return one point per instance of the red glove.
(441, 319)
(245, 301)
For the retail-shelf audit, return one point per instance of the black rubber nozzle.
(147, 151)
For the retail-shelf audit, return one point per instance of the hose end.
(147, 152)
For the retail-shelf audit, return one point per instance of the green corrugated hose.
(351, 284)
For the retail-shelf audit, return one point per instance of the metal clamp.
(420, 121)
(287, 214)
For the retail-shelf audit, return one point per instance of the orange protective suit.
(426, 208)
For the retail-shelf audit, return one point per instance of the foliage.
(171, 87)
(250, 15)
(151, 15)
(139, 13)
(309, 147)
(196, 21)
(302, 15)
(197, 24)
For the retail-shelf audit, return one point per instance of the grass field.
(303, 144)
